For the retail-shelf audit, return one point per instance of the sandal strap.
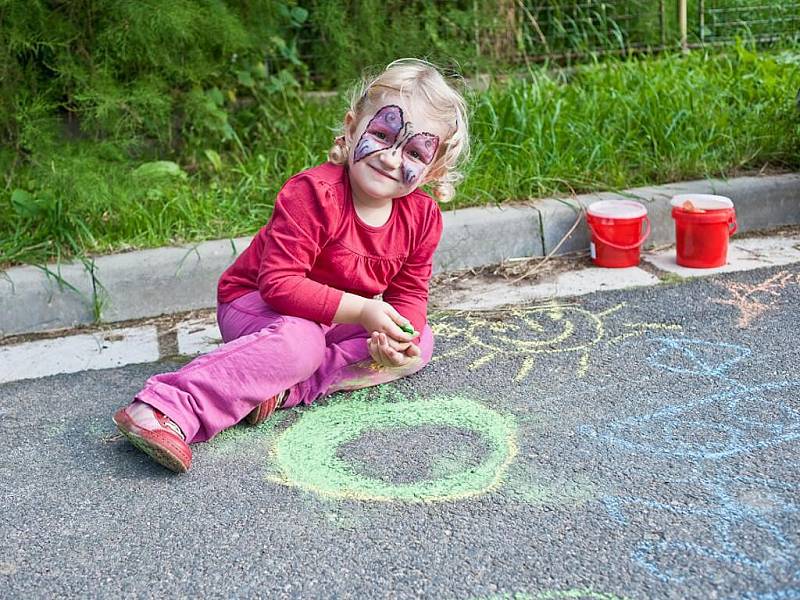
(165, 421)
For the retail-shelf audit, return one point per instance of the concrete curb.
(149, 283)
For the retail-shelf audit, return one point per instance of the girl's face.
(392, 149)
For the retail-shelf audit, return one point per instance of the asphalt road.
(634, 444)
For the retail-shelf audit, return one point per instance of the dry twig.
(554, 250)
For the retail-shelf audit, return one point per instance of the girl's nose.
(390, 159)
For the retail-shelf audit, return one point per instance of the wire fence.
(481, 35)
(557, 28)
(763, 21)
(596, 26)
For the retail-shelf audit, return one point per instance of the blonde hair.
(416, 77)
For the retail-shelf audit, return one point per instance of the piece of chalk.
(408, 328)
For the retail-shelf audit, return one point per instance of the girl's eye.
(379, 134)
(415, 154)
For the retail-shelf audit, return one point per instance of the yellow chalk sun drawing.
(524, 333)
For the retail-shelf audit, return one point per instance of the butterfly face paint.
(387, 130)
(418, 152)
(381, 133)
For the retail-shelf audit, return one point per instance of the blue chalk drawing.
(691, 350)
(749, 418)
(718, 435)
(728, 515)
(791, 593)
(741, 418)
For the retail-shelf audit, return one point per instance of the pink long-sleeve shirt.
(315, 247)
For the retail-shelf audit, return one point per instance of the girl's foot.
(152, 432)
(263, 411)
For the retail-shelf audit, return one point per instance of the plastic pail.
(702, 229)
(616, 231)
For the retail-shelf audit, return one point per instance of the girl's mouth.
(384, 173)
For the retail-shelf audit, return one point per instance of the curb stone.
(761, 203)
(180, 336)
(82, 352)
(161, 281)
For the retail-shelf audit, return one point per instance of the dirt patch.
(785, 231)
(524, 270)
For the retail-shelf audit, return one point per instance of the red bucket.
(703, 224)
(616, 231)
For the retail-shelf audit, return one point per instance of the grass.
(672, 279)
(622, 124)
(609, 125)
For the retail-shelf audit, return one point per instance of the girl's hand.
(381, 317)
(408, 348)
(390, 353)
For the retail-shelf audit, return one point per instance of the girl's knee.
(307, 337)
(426, 344)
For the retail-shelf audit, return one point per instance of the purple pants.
(265, 353)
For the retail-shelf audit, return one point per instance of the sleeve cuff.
(332, 301)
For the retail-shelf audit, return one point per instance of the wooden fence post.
(682, 22)
(701, 9)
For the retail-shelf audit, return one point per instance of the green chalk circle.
(576, 594)
(306, 453)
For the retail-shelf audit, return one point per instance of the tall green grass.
(609, 125)
(624, 123)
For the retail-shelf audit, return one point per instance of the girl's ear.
(349, 127)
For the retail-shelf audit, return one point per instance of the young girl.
(299, 310)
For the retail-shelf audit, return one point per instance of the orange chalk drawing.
(754, 300)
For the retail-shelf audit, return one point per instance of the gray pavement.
(623, 444)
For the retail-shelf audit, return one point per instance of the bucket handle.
(635, 245)
(733, 226)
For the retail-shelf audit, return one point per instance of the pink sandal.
(155, 434)
(263, 411)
